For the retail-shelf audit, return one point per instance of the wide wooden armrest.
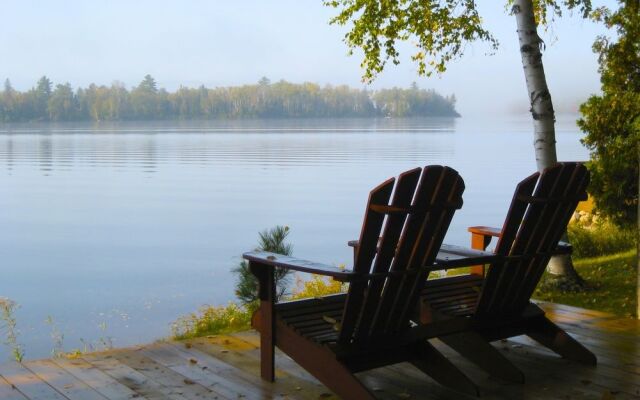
(488, 232)
(485, 230)
(451, 256)
(297, 264)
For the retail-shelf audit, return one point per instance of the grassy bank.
(605, 257)
(610, 285)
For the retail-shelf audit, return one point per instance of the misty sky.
(215, 43)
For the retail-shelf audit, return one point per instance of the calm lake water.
(115, 230)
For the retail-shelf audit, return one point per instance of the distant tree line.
(282, 99)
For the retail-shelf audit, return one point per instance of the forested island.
(282, 99)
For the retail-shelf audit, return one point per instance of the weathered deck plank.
(228, 367)
(9, 392)
(98, 380)
(214, 369)
(193, 370)
(28, 383)
(133, 379)
(62, 381)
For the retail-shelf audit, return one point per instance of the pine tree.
(272, 240)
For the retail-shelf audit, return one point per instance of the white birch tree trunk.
(544, 135)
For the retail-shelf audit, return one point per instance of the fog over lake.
(115, 230)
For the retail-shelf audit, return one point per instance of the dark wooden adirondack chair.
(335, 336)
(498, 304)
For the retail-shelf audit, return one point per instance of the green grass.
(611, 285)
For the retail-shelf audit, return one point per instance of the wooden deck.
(227, 367)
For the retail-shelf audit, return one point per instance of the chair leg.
(321, 363)
(267, 352)
(550, 335)
(265, 319)
(433, 363)
(476, 349)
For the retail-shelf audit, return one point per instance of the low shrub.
(211, 320)
(317, 286)
(599, 239)
(214, 320)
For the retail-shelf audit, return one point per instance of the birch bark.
(544, 139)
(544, 135)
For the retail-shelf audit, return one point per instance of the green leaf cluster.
(438, 29)
(611, 121)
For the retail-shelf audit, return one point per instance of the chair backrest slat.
(402, 197)
(538, 220)
(510, 227)
(538, 216)
(405, 234)
(369, 235)
(405, 246)
(577, 184)
(434, 227)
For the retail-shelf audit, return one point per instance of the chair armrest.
(296, 264)
(450, 256)
(485, 231)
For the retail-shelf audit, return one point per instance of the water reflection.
(278, 143)
(8, 152)
(45, 153)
